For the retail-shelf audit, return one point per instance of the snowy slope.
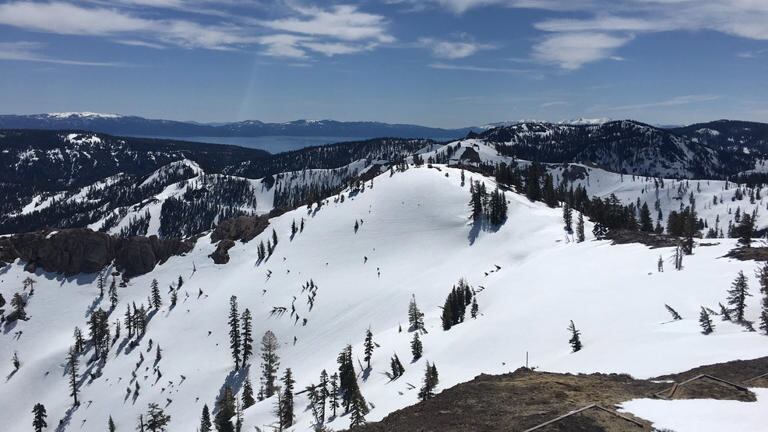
(415, 232)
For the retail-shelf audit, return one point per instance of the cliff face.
(73, 251)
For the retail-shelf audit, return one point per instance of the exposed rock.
(221, 254)
(73, 251)
(243, 228)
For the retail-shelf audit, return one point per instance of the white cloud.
(343, 22)
(452, 49)
(572, 50)
(675, 101)
(473, 68)
(30, 52)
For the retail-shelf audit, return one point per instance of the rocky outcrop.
(221, 254)
(242, 228)
(73, 251)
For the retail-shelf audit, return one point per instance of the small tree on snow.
(706, 322)
(39, 413)
(575, 340)
(416, 347)
(675, 316)
(737, 296)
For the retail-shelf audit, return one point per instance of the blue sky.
(446, 63)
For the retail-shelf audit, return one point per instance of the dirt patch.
(708, 387)
(652, 240)
(524, 399)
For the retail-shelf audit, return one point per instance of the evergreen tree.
(475, 308)
(234, 331)
(157, 419)
(15, 361)
(675, 316)
(575, 340)
(247, 398)
(568, 218)
(111, 425)
(205, 420)
(286, 408)
(247, 336)
(156, 300)
(98, 328)
(333, 401)
(764, 314)
(646, 224)
(18, 303)
(397, 367)
(725, 313)
(415, 316)
(427, 390)
(745, 230)
(39, 416)
(180, 283)
(100, 284)
(113, 295)
(174, 298)
(580, 228)
(72, 364)
(762, 278)
(269, 362)
(368, 347)
(357, 413)
(737, 296)
(706, 323)
(79, 345)
(416, 347)
(533, 187)
(548, 192)
(225, 410)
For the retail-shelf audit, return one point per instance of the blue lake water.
(273, 144)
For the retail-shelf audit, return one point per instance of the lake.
(272, 144)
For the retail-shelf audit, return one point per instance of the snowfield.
(414, 239)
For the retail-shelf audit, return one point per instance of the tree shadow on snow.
(64, 422)
(481, 225)
(234, 380)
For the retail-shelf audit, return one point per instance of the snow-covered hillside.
(414, 238)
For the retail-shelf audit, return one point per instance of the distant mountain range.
(138, 126)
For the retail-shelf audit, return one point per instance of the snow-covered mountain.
(367, 252)
(138, 126)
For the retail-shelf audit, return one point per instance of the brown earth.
(523, 399)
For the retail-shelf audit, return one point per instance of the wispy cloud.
(553, 103)
(30, 52)
(454, 49)
(675, 101)
(473, 68)
(572, 50)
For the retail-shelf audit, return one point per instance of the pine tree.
(357, 413)
(646, 224)
(157, 419)
(737, 296)
(416, 347)
(725, 313)
(225, 410)
(15, 361)
(568, 218)
(745, 230)
(575, 340)
(580, 228)
(79, 345)
(39, 416)
(274, 238)
(286, 409)
(156, 300)
(247, 398)
(111, 425)
(269, 362)
(100, 284)
(675, 316)
(174, 298)
(333, 401)
(247, 336)
(415, 316)
(234, 331)
(368, 347)
(706, 323)
(475, 308)
(764, 314)
(113, 295)
(18, 303)
(179, 283)
(762, 278)
(72, 364)
(205, 420)
(427, 390)
(397, 367)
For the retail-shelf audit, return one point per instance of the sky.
(444, 63)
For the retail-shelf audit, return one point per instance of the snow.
(415, 231)
(85, 114)
(703, 415)
(76, 138)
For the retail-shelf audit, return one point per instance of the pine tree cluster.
(456, 303)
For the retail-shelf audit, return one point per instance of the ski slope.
(414, 239)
